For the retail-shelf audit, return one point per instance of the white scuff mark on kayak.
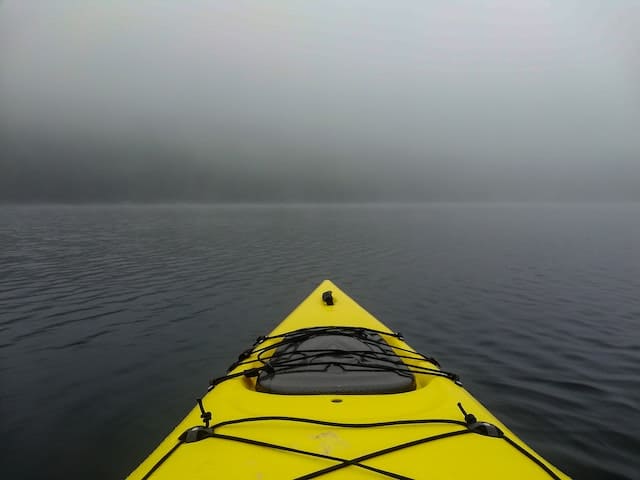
(329, 442)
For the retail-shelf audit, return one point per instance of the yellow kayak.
(333, 393)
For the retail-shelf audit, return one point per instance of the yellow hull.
(330, 449)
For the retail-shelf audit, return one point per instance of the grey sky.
(369, 99)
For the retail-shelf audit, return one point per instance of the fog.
(365, 100)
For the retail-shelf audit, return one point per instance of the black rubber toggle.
(244, 355)
(241, 358)
(481, 428)
(469, 418)
(327, 297)
(204, 415)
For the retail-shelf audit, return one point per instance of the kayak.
(333, 393)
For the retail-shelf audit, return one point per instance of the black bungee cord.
(271, 365)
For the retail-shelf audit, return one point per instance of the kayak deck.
(258, 429)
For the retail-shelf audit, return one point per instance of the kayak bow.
(332, 392)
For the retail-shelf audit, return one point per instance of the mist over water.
(332, 101)
(114, 318)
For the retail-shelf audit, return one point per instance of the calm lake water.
(113, 318)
